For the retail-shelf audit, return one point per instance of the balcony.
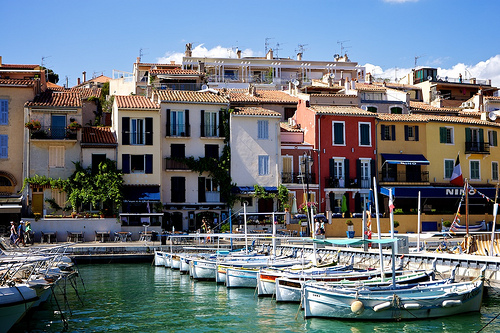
(210, 131)
(333, 182)
(212, 196)
(188, 86)
(297, 178)
(477, 147)
(404, 177)
(53, 133)
(175, 165)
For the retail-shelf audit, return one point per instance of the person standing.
(28, 232)
(20, 233)
(13, 233)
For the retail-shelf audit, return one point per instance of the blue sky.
(99, 36)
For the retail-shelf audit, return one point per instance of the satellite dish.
(429, 77)
(204, 87)
(295, 82)
(332, 76)
(492, 115)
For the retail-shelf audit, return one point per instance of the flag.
(456, 176)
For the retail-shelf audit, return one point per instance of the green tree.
(51, 76)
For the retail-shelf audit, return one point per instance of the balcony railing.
(404, 177)
(175, 165)
(53, 133)
(333, 182)
(179, 130)
(297, 178)
(212, 196)
(477, 147)
(210, 131)
(178, 86)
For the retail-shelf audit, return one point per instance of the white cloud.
(484, 70)
(202, 51)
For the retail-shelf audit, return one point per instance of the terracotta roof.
(322, 87)
(497, 98)
(87, 92)
(191, 96)
(100, 78)
(403, 117)
(261, 96)
(98, 136)
(341, 110)
(464, 113)
(255, 111)
(56, 98)
(135, 102)
(54, 86)
(160, 65)
(427, 107)
(369, 87)
(174, 71)
(17, 82)
(11, 66)
(286, 127)
(397, 86)
(436, 118)
(334, 95)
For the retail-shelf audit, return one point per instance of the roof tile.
(255, 111)
(341, 110)
(135, 102)
(98, 135)
(56, 99)
(17, 82)
(261, 96)
(191, 96)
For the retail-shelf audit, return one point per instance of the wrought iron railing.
(477, 147)
(404, 177)
(53, 133)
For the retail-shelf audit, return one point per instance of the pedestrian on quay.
(28, 234)
(13, 233)
(20, 233)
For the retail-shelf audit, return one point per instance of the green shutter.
(442, 134)
(468, 135)
(494, 143)
(481, 135)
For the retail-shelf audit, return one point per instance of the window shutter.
(221, 124)
(346, 172)
(187, 123)
(442, 134)
(149, 163)
(168, 123)
(406, 132)
(4, 146)
(468, 135)
(481, 135)
(416, 133)
(358, 172)
(202, 123)
(332, 163)
(382, 132)
(201, 189)
(494, 133)
(393, 132)
(4, 112)
(149, 131)
(125, 163)
(125, 131)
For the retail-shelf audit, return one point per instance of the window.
(137, 131)
(474, 170)
(448, 168)
(178, 150)
(4, 146)
(178, 189)
(4, 112)
(177, 123)
(411, 133)
(338, 133)
(263, 129)
(96, 160)
(388, 132)
(492, 138)
(446, 135)
(263, 165)
(137, 163)
(212, 151)
(209, 124)
(371, 109)
(56, 156)
(494, 170)
(474, 139)
(396, 110)
(58, 126)
(364, 173)
(364, 134)
(4, 181)
(286, 175)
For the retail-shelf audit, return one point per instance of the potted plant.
(33, 124)
(74, 125)
(396, 224)
(350, 229)
(446, 225)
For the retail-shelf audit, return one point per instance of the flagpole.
(375, 196)
(418, 224)
(467, 207)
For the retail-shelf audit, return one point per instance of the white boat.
(176, 261)
(15, 301)
(184, 263)
(202, 269)
(159, 259)
(290, 289)
(393, 303)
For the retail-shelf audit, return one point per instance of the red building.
(344, 146)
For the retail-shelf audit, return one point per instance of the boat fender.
(451, 303)
(382, 306)
(357, 307)
(412, 306)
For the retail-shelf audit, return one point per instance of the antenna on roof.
(267, 44)
(342, 47)
(301, 48)
(277, 49)
(43, 60)
(416, 58)
(141, 54)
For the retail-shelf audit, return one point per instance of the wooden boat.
(420, 301)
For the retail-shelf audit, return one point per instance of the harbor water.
(142, 298)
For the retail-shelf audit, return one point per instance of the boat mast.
(495, 211)
(466, 208)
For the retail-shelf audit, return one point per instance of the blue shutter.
(149, 163)
(125, 163)
(4, 146)
(4, 112)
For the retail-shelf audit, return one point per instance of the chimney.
(269, 54)
(299, 56)
(188, 52)
(480, 101)
(84, 76)
(78, 82)
(138, 60)
(172, 62)
(368, 78)
(238, 53)
(0, 61)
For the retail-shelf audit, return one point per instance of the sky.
(385, 36)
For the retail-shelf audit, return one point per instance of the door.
(37, 203)
(58, 126)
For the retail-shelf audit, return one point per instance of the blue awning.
(141, 193)
(439, 192)
(405, 159)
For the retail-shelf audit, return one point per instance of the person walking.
(28, 234)
(13, 233)
(20, 233)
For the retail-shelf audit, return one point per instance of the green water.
(142, 298)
